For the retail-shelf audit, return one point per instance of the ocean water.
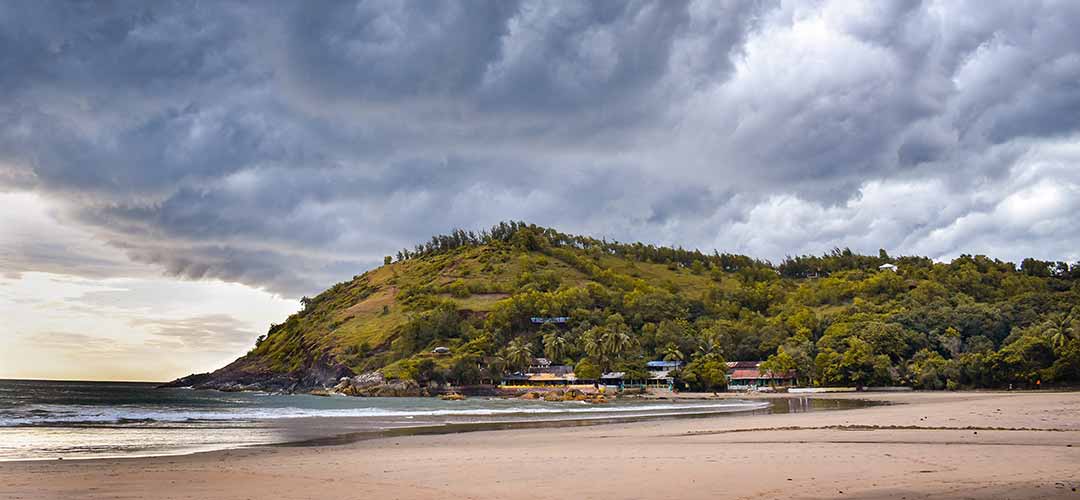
(52, 419)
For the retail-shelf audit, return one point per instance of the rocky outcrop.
(247, 374)
(567, 395)
(195, 379)
(373, 384)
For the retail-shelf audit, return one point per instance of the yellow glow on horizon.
(148, 329)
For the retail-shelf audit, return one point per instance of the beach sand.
(924, 445)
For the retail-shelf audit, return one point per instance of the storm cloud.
(286, 145)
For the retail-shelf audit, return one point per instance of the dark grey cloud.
(379, 51)
(287, 146)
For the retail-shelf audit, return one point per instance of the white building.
(888, 267)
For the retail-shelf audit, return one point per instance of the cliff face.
(249, 374)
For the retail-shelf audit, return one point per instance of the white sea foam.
(70, 415)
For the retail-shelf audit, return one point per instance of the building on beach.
(742, 376)
(662, 373)
(542, 373)
(613, 378)
(542, 379)
(747, 376)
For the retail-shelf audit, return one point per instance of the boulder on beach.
(555, 396)
(373, 384)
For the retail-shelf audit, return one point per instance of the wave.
(135, 416)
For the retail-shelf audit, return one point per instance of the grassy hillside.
(835, 319)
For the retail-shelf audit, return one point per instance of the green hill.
(836, 319)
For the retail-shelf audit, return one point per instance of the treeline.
(809, 266)
(534, 238)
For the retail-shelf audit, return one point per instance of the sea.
(48, 420)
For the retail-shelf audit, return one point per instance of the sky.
(174, 175)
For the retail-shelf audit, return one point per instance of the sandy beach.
(922, 445)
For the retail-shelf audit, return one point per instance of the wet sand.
(924, 445)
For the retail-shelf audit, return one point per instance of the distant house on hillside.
(888, 267)
(539, 365)
(441, 350)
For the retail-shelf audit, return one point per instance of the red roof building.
(747, 375)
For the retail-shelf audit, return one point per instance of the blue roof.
(663, 364)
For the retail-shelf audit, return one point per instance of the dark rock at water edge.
(246, 374)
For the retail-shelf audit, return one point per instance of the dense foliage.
(835, 319)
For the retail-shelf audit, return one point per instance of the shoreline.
(920, 445)
(352, 429)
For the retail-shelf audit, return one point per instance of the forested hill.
(836, 319)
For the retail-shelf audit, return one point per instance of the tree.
(1067, 366)
(555, 346)
(607, 342)
(528, 238)
(949, 341)
(697, 267)
(706, 373)
(586, 369)
(673, 353)
(710, 343)
(440, 322)
(591, 342)
(387, 260)
(465, 370)
(1023, 360)
(856, 365)
(780, 363)
(678, 332)
(519, 354)
(1059, 329)
(616, 342)
(424, 370)
(929, 370)
(801, 351)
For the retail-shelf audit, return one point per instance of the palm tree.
(1059, 328)
(710, 344)
(591, 342)
(519, 353)
(605, 344)
(616, 342)
(673, 353)
(555, 346)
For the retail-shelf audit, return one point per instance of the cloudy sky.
(174, 175)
